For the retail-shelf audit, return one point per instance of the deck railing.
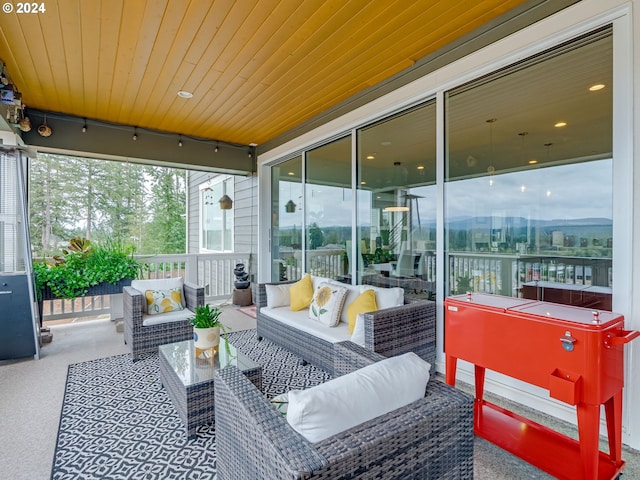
(214, 271)
(500, 274)
(506, 274)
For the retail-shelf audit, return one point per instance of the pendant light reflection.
(290, 207)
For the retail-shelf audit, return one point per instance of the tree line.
(98, 199)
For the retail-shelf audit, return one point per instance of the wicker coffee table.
(188, 379)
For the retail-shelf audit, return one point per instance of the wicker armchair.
(427, 439)
(146, 338)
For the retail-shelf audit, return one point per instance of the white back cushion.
(386, 297)
(278, 295)
(316, 281)
(357, 336)
(347, 401)
(159, 284)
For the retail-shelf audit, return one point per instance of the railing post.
(191, 267)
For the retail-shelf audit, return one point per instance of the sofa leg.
(259, 339)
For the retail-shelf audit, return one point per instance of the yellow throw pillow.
(366, 302)
(301, 293)
(163, 301)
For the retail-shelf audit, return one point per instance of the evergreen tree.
(50, 215)
(98, 199)
(165, 232)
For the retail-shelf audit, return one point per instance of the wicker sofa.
(427, 439)
(390, 331)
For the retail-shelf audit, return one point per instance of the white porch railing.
(322, 262)
(214, 271)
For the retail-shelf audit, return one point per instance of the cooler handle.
(625, 337)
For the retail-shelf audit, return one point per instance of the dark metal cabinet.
(17, 339)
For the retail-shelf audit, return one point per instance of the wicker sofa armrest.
(133, 303)
(261, 292)
(397, 330)
(193, 295)
(429, 438)
(253, 439)
(349, 356)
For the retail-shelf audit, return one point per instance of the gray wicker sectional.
(431, 438)
(392, 331)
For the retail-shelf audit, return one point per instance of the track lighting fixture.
(216, 149)
(84, 127)
(180, 141)
(135, 133)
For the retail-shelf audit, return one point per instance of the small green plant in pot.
(207, 327)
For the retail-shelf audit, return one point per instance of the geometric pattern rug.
(117, 421)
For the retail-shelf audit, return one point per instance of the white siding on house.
(245, 211)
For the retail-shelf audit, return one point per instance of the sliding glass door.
(396, 185)
(529, 189)
(286, 220)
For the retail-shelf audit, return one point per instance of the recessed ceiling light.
(533, 162)
(420, 167)
(185, 94)
(291, 173)
(560, 124)
(363, 183)
(371, 157)
(385, 144)
(596, 87)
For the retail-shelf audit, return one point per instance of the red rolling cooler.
(575, 353)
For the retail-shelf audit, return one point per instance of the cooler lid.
(581, 315)
(498, 302)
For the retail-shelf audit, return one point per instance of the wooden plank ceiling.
(256, 68)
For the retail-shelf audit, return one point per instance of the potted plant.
(85, 268)
(207, 327)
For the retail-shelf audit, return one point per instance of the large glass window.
(397, 200)
(528, 198)
(217, 222)
(328, 208)
(286, 220)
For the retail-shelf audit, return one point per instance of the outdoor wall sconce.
(225, 202)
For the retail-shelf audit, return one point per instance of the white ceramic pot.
(204, 338)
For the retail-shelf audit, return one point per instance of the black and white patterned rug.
(117, 421)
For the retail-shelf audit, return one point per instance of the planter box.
(101, 289)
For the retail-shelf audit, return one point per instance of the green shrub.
(84, 264)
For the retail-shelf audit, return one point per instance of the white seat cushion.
(159, 318)
(301, 321)
(349, 400)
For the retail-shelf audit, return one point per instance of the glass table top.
(192, 369)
